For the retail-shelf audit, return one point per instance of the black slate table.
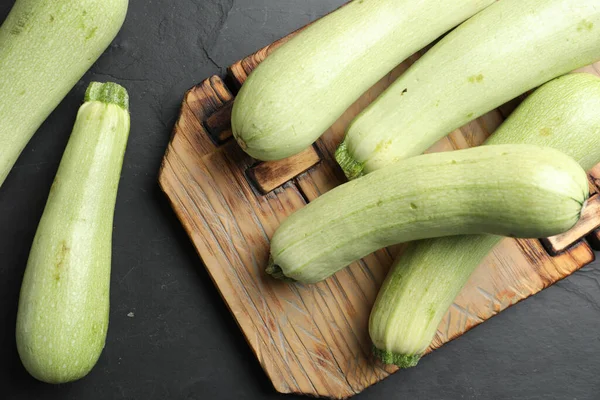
(170, 335)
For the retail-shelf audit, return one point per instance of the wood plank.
(268, 176)
(594, 177)
(588, 223)
(218, 125)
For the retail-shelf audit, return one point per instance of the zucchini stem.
(276, 272)
(352, 168)
(400, 360)
(109, 93)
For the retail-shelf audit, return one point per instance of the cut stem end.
(109, 93)
(352, 168)
(276, 272)
(400, 360)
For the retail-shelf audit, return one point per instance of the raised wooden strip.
(218, 124)
(594, 177)
(268, 176)
(313, 339)
(588, 223)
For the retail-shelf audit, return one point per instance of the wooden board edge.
(189, 232)
(163, 173)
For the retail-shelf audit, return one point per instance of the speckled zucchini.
(505, 50)
(425, 280)
(45, 48)
(301, 89)
(504, 190)
(63, 308)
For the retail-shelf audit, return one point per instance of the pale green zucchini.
(563, 114)
(301, 89)
(504, 190)
(500, 53)
(63, 308)
(45, 48)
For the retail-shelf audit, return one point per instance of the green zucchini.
(45, 48)
(63, 308)
(563, 114)
(504, 190)
(301, 89)
(500, 53)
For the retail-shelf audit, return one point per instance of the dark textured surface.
(181, 342)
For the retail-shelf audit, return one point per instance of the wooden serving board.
(313, 339)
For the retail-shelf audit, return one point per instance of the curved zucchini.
(415, 297)
(63, 308)
(301, 89)
(45, 48)
(505, 50)
(425, 280)
(504, 190)
(562, 114)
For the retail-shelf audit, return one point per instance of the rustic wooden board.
(313, 339)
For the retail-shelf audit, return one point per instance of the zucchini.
(63, 308)
(563, 114)
(502, 52)
(416, 295)
(504, 190)
(301, 89)
(45, 48)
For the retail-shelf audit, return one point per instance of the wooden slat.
(218, 125)
(588, 223)
(268, 176)
(594, 177)
(314, 339)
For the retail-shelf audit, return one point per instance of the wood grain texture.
(313, 339)
(268, 176)
(218, 125)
